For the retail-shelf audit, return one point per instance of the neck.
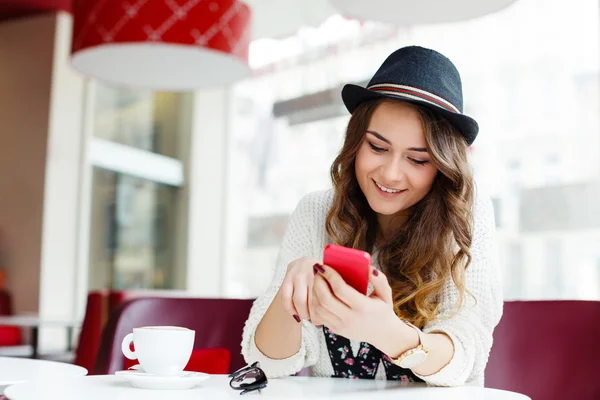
(387, 224)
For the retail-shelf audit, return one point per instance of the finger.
(327, 300)
(321, 315)
(346, 293)
(312, 307)
(285, 293)
(381, 286)
(300, 298)
(327, 319)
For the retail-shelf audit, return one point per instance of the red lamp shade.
(162, 44)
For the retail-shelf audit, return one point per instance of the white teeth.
(386, 189)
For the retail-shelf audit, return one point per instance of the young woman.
(403, 191)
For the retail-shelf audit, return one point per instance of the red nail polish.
(297, 318)
(375, 272)
(318, 268)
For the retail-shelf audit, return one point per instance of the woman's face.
(393, 167)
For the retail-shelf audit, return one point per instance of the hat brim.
(354, 95)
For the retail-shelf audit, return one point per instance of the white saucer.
(144, 380)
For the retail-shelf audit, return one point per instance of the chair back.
(547, 350)
(5, 302)
(9, 335)
(218, 324)
(91, 329)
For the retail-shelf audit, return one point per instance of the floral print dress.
(366, 362)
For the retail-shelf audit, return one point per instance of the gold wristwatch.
(413, 357)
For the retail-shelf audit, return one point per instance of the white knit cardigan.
(470, 330)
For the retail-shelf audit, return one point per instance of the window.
(496, 203)
(133, 233)
(509, 65)
(136, 179)
(554, 284)
(141, 119)
(514, 277)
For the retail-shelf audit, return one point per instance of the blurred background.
(104, 186)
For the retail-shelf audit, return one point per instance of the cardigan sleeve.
(297, 242)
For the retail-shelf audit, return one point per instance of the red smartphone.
(353, 265)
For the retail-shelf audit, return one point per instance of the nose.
(392, 170)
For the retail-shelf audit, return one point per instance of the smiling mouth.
(388, 190)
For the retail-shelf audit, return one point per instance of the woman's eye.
(418, 162)
(376, 148)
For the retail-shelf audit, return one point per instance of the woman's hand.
(349, 313)
(296, 291)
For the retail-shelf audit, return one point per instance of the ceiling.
(283, 18)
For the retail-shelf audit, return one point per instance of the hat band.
(413, 93)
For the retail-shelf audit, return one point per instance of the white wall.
(64, 164)
(205, 192)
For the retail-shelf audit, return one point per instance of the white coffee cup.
(160, 350)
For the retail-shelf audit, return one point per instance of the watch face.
(414, 359)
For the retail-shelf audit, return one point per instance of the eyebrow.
(378, 136)
(383, 139)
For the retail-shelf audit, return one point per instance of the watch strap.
(420, 347)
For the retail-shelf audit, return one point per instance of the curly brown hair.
(434, 242)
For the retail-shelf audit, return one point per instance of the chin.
(385, 209)
(388, 211)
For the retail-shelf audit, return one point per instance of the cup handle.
(125, 347)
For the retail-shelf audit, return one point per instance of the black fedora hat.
(421, 76)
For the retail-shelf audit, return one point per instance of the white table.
(19, 370)
(34, 322)
(102, 387)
